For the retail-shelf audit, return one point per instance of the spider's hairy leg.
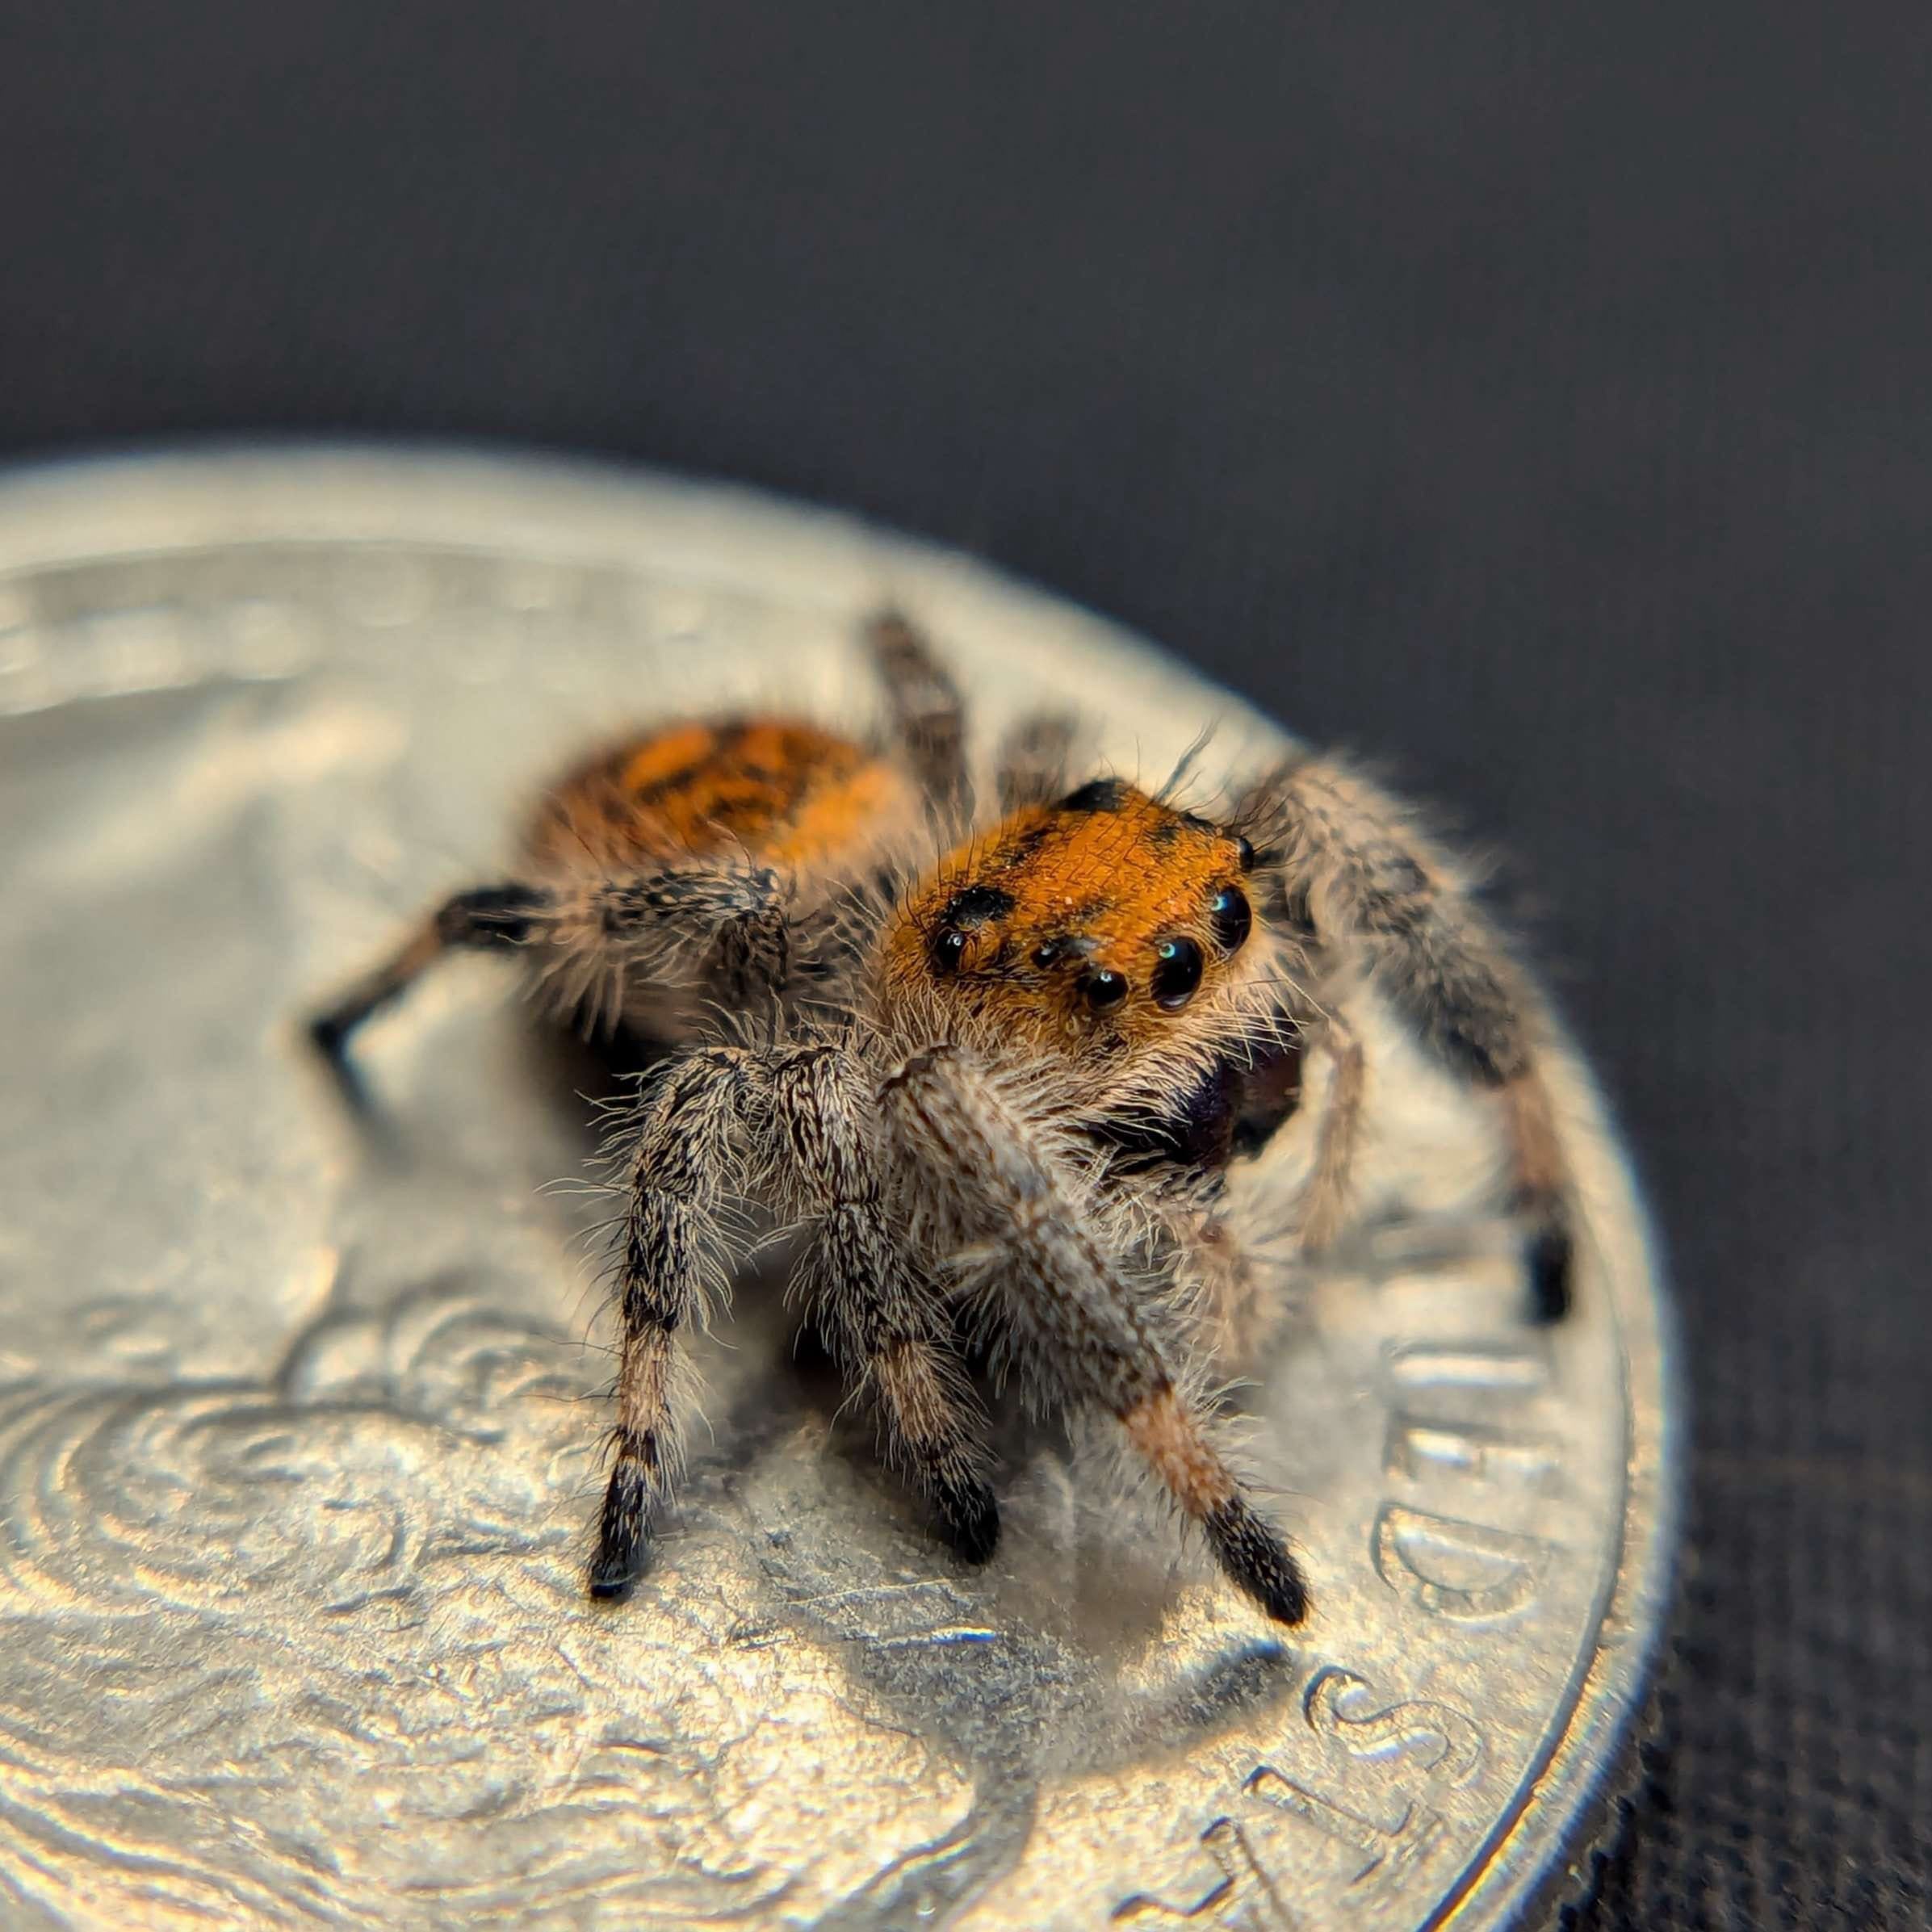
(979, 1175)
(884, 1323)
(1032, 760)
(1326, 1200)
(1541, 1180)
(486, 918)
(928, 715)
(1358, 874)
(733, 916)
(682, 1163)
(1233, 1294)
(596, 935)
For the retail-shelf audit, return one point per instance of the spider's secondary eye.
(1104, 989)
(1232, 918)
(1244, 853)
(1178, 974)
(947, 950)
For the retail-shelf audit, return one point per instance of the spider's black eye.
(947, 950)
(970, 909)
(1178, 974)
(1244, 853)
(1104, 989)
(1231, 917)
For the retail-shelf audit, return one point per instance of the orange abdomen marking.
(775, 791)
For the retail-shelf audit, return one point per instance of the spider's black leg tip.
(616, 1567)
(1551, 1256)
(623, 1537)
(969, 1516)
(1255, 1557)
(611, 1578)
(329, 1034)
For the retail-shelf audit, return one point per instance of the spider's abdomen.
(775, 791)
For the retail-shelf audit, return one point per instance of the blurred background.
(1541, 396)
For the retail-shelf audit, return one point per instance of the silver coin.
(299, 1422)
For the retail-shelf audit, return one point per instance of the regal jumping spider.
(998, 1095)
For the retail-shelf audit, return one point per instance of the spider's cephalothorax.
(998, 1093)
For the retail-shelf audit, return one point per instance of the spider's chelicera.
(994, 1098)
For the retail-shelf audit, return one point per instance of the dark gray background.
(1538, 394)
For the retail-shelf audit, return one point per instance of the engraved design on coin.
(294, 1412)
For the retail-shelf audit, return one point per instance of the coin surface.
(299, 1420)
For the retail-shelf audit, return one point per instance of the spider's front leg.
(884, 1323)
(683, 1163)
(983, 1182)
(1362, 885)
(790, 1125)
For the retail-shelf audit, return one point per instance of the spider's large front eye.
(1178, 974)
(1103, 989)
(1231, 917)
(947, 950)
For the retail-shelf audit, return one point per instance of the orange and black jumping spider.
(997, 1095)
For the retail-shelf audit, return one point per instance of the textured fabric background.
(1536, 393)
